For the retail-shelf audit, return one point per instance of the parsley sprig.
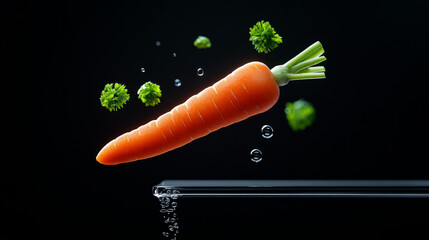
(300, 114)
(150, 93)
(113, 97)
(202, 42)
(264, 37)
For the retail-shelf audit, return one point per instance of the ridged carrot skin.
(249, 90)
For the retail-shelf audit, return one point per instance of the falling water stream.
(168, 202)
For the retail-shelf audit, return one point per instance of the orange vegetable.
(251, 89)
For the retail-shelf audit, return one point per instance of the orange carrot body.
(249, 90)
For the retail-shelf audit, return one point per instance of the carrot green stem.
(301, 66)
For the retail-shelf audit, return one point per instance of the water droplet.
(200, 72)
(267, 131)
(256, 155)
(142, 69)
(158, 43)
(177, 83)
(174, 54)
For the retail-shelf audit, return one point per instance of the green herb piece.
(264, 37)
(301, 67)
(300, 114)
(202, 42)
(113, 97)
(150, 93)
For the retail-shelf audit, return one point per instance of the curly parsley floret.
(264, 37)
(202, 42)
(150, 93)
(300, 114)
(113, 97)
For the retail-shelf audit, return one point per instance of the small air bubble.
(174, 54)
(175, 194)
(200, 72)
(158, 43)
(171, 228)
(142, 69)
(267, 131)
(256, 155)
(177, 82)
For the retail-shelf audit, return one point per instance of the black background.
(370, 122)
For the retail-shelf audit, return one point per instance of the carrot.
(249, 90)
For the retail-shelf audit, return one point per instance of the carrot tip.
(100, 158)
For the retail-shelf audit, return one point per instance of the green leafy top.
(302, 66)
(300, 114)
(113, 97)
(264, 37)
(202, 42)
(150, 93)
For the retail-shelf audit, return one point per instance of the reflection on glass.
(293, 188)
